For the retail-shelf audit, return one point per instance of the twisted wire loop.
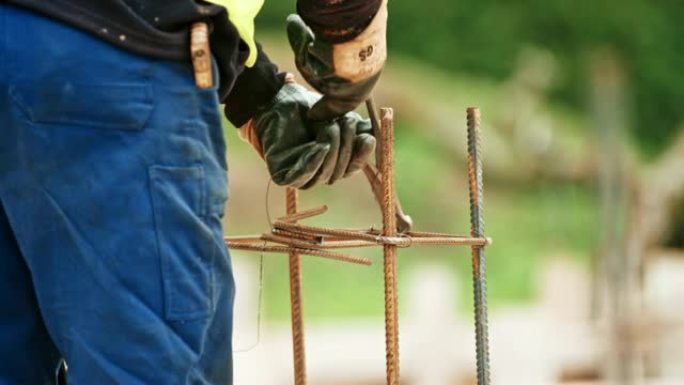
(389, 229)
(295, 263)
(477, 252)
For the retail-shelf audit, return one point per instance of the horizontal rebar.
(306, 237)
(242, 238)
(346, 234)
(357, 240)
(284, 240)
(303, 251)
(422, 239)
(304, 214)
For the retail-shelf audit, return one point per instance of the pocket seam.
(171, 311)
(138, 124)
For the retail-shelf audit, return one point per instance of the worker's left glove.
(345, 73)
(300, 152)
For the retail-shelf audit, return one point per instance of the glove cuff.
(248, 133)
(365, 55)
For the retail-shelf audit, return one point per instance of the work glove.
(301, 152)
(345, 73)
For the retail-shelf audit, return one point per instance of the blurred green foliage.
(484, 38)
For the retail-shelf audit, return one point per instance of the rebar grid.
(295, 239)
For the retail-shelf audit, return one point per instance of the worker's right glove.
(300, 152)
(345, 73)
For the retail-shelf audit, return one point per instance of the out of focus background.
(583, 109)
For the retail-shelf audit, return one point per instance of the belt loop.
(201, 55)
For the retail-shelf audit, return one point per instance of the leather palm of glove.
(301, 152)
(344, 73)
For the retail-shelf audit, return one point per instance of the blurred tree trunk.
(618, 266)
(638, 211)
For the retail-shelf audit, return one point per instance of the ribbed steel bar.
(321, 234)
(478, 255)
(295, 262)
(242, 239)
(294, 240)
(389, 229)
(323, 231)
(284, 240)
(306, 237)
(298, 216)
(327, 254)
(404, 222)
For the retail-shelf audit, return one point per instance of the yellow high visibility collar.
(242, 13)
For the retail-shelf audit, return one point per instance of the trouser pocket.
(184, 241)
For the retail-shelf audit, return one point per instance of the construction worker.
(113, 175)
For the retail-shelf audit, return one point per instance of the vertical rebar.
(298, 350)
(478, 255)
(389, 229)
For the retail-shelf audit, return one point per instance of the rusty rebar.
(404, 222)
(283, 240)
(281, 249)
(295, 264)
(302, 236)
(298, 216)
(242, 239)
(300, 240)
(313, 230)
(318, 237)
(478, 255)
(389, 229)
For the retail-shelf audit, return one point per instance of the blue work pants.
(112, 187)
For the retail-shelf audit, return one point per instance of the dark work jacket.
(160, 28)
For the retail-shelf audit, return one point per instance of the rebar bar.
(301, 251)
(311, 230)
(306, 237)
(404, 222)
(320, 233)
(478, 255)
(235, 239)
(389, 229)
(295, 264)
(298, 216)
